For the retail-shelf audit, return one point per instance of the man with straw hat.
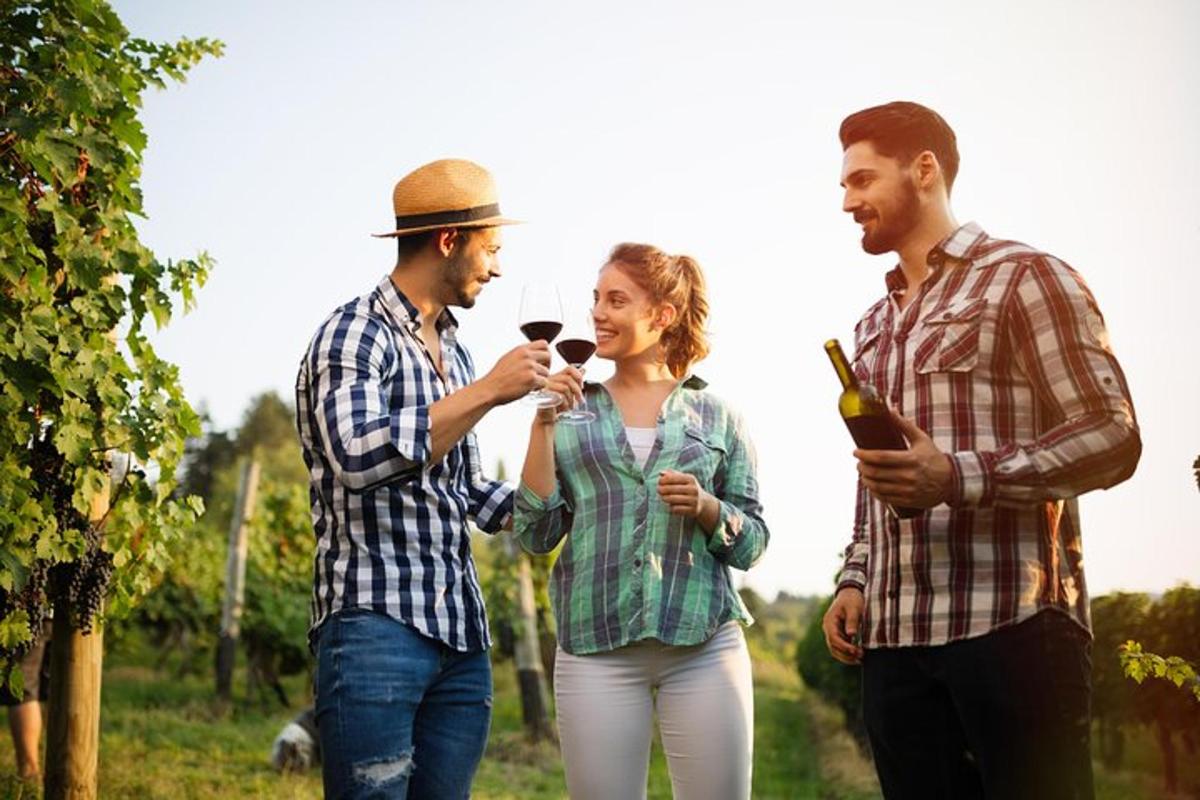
(386, 399)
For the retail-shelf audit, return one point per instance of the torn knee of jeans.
(383, 771)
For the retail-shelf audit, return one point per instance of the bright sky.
(709, 129)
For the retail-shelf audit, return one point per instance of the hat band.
(448, 217)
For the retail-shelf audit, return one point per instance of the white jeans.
(704, 699)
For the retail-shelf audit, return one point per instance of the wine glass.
(576, 347)
(540, 318)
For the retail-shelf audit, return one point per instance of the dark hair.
(676, 280)
(409, 246)
(903, 130)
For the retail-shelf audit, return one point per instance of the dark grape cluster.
(32, 598)
(81, 585)
(46, 469)
(78, 586)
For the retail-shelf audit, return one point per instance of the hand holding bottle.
(919, 477)
(867, 416)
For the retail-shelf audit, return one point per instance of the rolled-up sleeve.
(1061, 346)
(541, 523)
(367, 443)
(490, 502)
(741, 535)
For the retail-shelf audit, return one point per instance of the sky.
(708, 129)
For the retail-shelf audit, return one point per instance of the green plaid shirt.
(631, 570)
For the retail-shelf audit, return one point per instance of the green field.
(164, 736)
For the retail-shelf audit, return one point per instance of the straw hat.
(451, 193)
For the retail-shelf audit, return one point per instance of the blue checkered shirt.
(391, 527)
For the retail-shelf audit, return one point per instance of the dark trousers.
(1005, 715)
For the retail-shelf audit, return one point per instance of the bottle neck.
(840, 365)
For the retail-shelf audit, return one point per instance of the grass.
(801, 747)
(788, 754)
(1140, 776)
(163, 736)
(166, 737)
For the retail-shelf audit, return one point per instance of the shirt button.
(637, 562)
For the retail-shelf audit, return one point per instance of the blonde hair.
(676, 280)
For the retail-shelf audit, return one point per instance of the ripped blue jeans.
(400, 715)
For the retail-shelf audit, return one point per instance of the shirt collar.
(895, 280)
(959, 247)
(406, 313)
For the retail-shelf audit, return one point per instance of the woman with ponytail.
(657, 500)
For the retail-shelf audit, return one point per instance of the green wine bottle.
(866, 415)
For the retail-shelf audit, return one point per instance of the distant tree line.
(1169, 624)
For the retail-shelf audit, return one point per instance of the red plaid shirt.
(1003, 359)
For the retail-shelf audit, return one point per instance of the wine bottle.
(866, 415)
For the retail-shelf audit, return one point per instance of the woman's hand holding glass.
(576, 346)
(568, 385)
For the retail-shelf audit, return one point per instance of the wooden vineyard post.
(235, 578)
(73, 729)
(531, 678)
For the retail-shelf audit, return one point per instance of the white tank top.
(642, 442)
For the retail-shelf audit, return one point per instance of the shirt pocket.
(701, 454)
(864, 357)
(950, 337)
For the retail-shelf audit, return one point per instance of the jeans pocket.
(1069, 648)
(372, 658)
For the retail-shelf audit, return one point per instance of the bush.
(838, 683)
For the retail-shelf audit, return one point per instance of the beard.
(456, 278)
(888, 235)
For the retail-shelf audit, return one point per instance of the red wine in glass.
(576, 348)
(575, 352)
(543, 329)
(541, 319)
